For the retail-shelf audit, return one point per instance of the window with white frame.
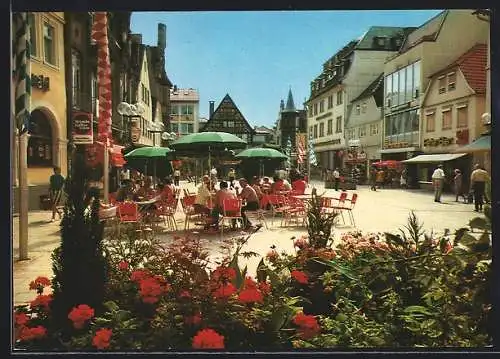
(330, 101)
(338, 124)
(316, 131)
(321, 129)
(452, 79)
(339, 98)
(329, 129)
(33, 34)
(374, 129)
(315, 109)
(442, 84)
(462, 118)
(362, 131)
(322, 106)
(49, 44)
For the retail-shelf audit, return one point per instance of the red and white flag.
(301, 147)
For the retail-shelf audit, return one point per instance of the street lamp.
(155, 128)
(130, 111)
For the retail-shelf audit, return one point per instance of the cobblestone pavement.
(383, 210)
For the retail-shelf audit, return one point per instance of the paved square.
(383, 210)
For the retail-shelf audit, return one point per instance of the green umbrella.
(262, 153)
(207, 142)
(151, 161)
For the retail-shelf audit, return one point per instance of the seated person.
(126, 192)
(266, 186)
(278, 185)
(299, 186)
(203, 196)
(168, 191)
(223, 193)
(146, 191)
(256, 187)
(250, 197)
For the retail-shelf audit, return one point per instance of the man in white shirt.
(336, 178)
(213, 175)
(177, 177)
(437, 182)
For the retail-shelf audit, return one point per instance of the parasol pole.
(210, 166)
(106, 171)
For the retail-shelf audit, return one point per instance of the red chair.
(112, 199)
(187, 203)
(295, 209)
(278, 204)
(340, 206)
(128, 212)
(350, 206)
(231, 209)
(167, 209)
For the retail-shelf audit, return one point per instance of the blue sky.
(256, 57)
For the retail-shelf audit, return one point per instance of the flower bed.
(371, 290)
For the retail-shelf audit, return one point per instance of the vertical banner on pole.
(22, 108)
(100, 35)
(300, 141)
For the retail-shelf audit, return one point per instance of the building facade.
(453, 105)
(345, 75)
(47, 144)
(429, 48)
(184, 111)
(263, 135)
(228, 118)
(291, 121)
(364, 126)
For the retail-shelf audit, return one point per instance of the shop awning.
(483, 143)
(443, 157)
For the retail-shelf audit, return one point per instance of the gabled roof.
(184, 95)
(227, 101)
(372, 88)
(473, 65)
(263, 129)
(428, 31)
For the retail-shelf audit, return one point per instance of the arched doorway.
(40, 143)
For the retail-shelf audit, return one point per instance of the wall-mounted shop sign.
(388, 144)
(441, 141)
(82, 131)
(40, 82)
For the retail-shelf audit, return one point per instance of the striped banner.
(300, 139)
(312, 155)
(100, 35)
(288, 152)
(22, 72)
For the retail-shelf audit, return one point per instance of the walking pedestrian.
(379, 178)
(373, 179)
(458, 185)
(56, 184)
(478, 180)
(438, 182)
(177, 177)
(336, 178)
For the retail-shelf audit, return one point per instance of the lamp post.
(155, 128)
(131, 111)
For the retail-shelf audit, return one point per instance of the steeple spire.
(289, 102)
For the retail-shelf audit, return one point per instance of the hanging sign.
(82, 131)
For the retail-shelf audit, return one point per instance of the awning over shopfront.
(443, 157)
(482, 144)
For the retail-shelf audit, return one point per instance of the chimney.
(211, 109)
(162, 36)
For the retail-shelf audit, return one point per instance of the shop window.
(40, 141)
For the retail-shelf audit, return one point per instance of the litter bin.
(45, 203)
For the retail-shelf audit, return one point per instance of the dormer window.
(442, 84)
(452, 79)
(380, 41)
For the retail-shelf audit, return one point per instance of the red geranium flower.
(224, 291)
(299, 276)
(300, 243)
(138, 275)
(123, 265)
(79, 315)
(151, 288)
(42, 301)
(223, 274)
(193, 320)
(208, 339)
(264, 287)
(102, 338)
(27, 334)
(308, 325)
(272, 255)
(40, 282)
(21, 319)
(184, 294)
(250, 283)
(250, 295)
